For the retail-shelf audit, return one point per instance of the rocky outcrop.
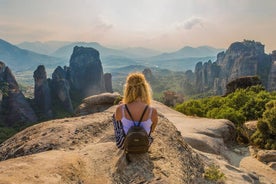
(42, 94)
(97, 103)
(82, 150)
(148, 74)
(272, 77)
(55, 97)
(242, 83)
(108, 82)
(205, 76)
(266, 156)
(241, 59)
(86, 72)
(61, 89)
(15, 108)
(171, 98)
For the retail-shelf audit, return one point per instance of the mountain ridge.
(21, 59)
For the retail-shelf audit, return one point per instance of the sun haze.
(158, 24)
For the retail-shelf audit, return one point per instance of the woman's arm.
(154, 119)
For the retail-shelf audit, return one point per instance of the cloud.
(190, 23)
(102, 23)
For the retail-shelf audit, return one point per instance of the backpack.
(136, 139)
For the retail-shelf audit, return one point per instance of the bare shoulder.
(154, 111)
(118, 112)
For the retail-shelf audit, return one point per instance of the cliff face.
(60, 88)
(240, 59)
(84, 77)
(15, 110)
(272, 74)
(86, 72)
(42, 96)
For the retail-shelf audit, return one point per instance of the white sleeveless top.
(129, 123)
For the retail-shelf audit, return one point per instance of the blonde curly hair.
(137, 87)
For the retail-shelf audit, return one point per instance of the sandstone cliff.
(69, 85)
(241, 59)
(86, 72)
(15, 110)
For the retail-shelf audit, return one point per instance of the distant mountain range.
(189, 52)
(43, 47)
(28, 55)
(20, 59)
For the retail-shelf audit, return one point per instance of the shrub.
(270, 116)
(4, 88)
(265, 135)
(6, 133)
(212, 173)
(262, 126)
(230, 114)
(192, 108)
(244, 104)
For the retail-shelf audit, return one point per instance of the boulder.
(250, 128)
(96, 103)
(272, 165)
(242, 83)
(203, 134)
(266, 156)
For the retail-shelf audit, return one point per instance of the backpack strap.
(150, 113)
(141, 115)
(129, 114)
(123, 111)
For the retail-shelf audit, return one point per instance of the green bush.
(192, 108)
(213, 173)
(262, 126)
(4, 88)
(243, 105)
(265, 135)
(6, 133)
(270, 116)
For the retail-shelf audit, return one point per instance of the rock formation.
(86, 72)
(242, 83)
(15, 108)
(82, 150)
(42, 94)
(241, 59)
(55, 97)
(108, 82)
(61, 89)
(171, 98)
(97, 103)
(205, 75)
(148, 74)
(272, 73)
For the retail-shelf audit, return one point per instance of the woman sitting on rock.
(135, 110)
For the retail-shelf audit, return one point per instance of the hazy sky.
(165, 25)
